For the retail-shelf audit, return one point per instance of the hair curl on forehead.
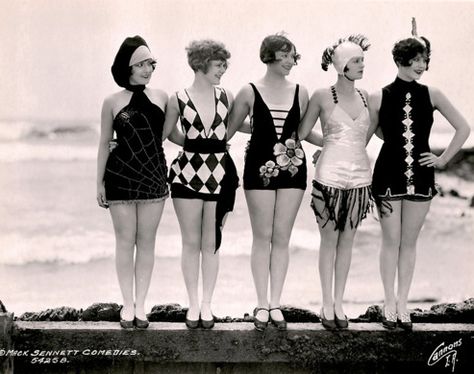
(276, 43)
(328, 53)
(202, 52)
(405, 50)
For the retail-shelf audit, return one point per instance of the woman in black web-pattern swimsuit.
(131, 179)
(274, 172)
(203, 178)
(403, 180)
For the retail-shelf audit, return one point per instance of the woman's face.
(416, 68)
(355, 68)
(284, 61)
(142, 72)
(215, 71)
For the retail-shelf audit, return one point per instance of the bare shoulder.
(364, 92)
(303, 91)
(375, 99)
(435, 93)
(246, 94)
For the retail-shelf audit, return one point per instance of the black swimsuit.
(272, 163)
(405, 117)
(136, 169)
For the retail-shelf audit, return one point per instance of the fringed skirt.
(345, 208)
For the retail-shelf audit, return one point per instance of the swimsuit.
(342, 172)
(136, 169)
(274, 161)
(204, 169)
(406, 118)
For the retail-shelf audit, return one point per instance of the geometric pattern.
(201, 171)
(408, 135)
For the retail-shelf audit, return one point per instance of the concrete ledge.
(237, 347)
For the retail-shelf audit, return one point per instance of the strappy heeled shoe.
(260, 325)
(389, 319)
(279, 324)
(125, 323)
(328, 324)
(404, 321)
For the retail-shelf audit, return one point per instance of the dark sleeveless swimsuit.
(273, 162)
(406, 118)
(136, 169)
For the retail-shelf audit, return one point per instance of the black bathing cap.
(120, 67)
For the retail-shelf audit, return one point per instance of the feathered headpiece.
(343, 50)
(414, 32)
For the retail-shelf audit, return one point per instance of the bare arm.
(374, 107)
(106, 133)
(309, 120)
(170, 130)
(455, 119)
(240, 111)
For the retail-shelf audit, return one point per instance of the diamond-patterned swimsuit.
(204, 169)
(406, 118)
(201, 165)
(136, 169)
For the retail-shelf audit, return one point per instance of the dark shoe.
(280, 325)
(405, 322)
(125, 324)
(141, 324)
(389, 319)
(192, 324)
(207, 324)
(259, 325)
(328, 324)
(341, 323)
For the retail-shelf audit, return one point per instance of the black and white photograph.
(230, 186)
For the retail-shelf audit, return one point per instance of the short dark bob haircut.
(202, 52)
(275, 43)
(406, 49)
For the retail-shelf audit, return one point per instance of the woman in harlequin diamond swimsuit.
(403, 180)
(341, 186)
(131, 179)
(203, 178)
(274, 172)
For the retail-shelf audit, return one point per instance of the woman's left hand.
(431, 160)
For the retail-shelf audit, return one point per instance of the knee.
(280, 239)
(191, 244)
(391, 240)
(263, 236)
(126, 237)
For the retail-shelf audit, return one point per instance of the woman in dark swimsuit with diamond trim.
(403, 180)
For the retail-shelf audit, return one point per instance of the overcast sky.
(56, 54)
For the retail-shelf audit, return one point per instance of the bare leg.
(210, 260)
(148, 218)
(287, 204)
(413, 217)
(342, 266)
(261, 205)
(389, 253)
(189, 212)
(327, 253)
(124, 218)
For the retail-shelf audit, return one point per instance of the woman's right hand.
(101, 199)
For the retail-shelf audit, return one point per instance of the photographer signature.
(447, 352)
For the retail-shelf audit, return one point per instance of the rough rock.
(63, 313)
(102, 312)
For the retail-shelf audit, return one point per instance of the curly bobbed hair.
(202, 52)
(405, 50)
